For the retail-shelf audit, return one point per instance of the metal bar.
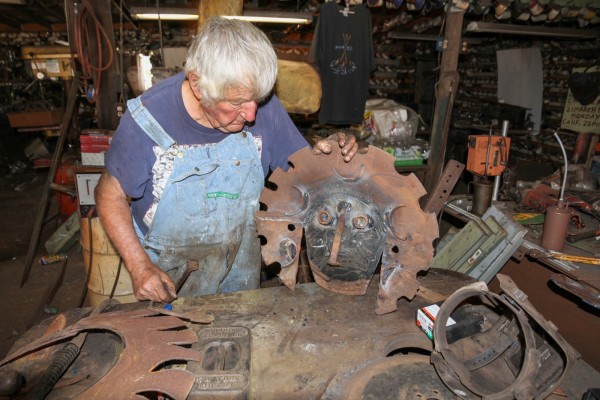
(498, 178)
(446, 88)
(444, 187)
(49, 294)
(512, 29)
(43, 205)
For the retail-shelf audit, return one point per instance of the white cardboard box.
(426, 319)
(96, 159)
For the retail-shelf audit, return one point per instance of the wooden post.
(210, 8)
(109, 79)
(447, 86)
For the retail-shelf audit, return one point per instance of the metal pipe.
(558, 216)
(498, 178)
(57, 156)
(487, 154)
(564, 180)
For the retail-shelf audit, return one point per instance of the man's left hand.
(347, 143)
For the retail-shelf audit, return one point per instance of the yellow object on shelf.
(51, 61)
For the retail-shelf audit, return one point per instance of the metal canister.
(556, 225)
(482, 196)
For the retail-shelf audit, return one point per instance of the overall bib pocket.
(213, 189)
(191, 191)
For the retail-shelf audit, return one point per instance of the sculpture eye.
(360, 222)
(324, 218)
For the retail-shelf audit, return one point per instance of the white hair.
(229, 53)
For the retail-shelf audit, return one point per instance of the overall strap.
(146, 121)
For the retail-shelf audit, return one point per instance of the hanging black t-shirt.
(344, 54)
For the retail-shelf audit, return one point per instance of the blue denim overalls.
(205, 210)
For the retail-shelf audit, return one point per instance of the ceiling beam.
(210, 8)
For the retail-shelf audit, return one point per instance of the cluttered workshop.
(310, 199)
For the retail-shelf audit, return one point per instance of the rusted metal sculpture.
(518, 354)
(150, 341)
(353, 214)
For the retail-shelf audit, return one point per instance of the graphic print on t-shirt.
(344, 65)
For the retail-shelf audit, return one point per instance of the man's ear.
(193, 79)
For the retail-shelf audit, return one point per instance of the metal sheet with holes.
(302, 339)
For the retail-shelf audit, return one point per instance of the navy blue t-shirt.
(131, 157)
(344, 53)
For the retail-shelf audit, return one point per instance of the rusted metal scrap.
(137, 370)
(353, 215)
(517, 355)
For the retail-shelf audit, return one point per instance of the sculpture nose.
(343, 208)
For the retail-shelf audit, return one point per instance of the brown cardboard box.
(35, 118)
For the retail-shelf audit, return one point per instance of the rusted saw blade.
(138, 370)
(353, 214)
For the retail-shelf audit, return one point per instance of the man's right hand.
(149, 281)
(152, 283)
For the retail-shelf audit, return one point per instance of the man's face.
(230, 115)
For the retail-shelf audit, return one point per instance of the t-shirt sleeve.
(284, 139)
(130, 157)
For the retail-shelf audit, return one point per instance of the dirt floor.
(24, 306)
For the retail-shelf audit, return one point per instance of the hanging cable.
(86, 24)
(88, 270)
(116, 282)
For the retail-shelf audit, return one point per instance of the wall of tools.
(407, 47)
(477, 105)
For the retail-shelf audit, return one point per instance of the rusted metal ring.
(529, 365)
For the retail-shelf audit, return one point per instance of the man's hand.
(151, 283)
(347, 143)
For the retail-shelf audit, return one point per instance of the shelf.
(514, 29)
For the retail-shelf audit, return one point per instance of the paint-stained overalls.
(205, 210)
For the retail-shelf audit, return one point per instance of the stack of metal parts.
(514, 354)
(511, 352)
(482, 247)
(518, 354)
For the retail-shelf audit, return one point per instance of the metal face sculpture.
(356, 216)
(345, 237)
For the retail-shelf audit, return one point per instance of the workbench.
(313, 344)
(302, 339)
(579, 279)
